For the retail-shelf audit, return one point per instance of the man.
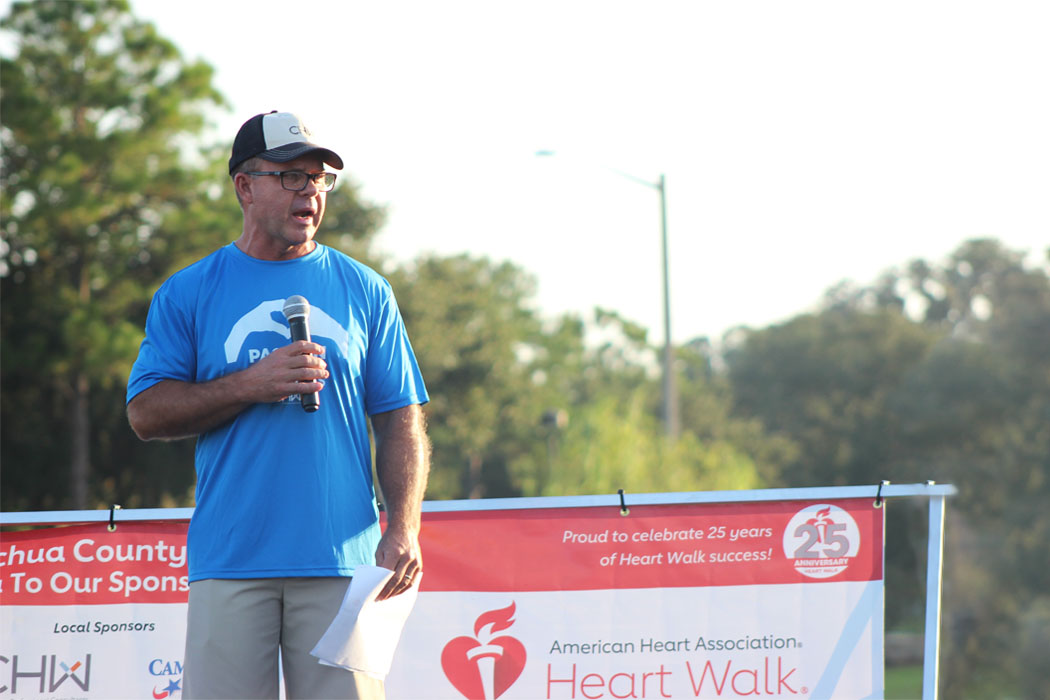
(285, 505)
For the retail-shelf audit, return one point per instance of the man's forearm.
(171, 409)
(402, 464)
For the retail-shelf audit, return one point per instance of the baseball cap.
(278, 137)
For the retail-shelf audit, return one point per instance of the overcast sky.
(803, 142)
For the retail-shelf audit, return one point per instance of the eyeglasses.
(295, 180)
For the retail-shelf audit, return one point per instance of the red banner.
(663, 546)
(88, 565)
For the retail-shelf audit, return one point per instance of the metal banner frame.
(936, 493)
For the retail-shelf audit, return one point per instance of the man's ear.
(242, 184)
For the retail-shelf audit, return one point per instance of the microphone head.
(296, 306)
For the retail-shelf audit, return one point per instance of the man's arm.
(172, 409)
(402, 464)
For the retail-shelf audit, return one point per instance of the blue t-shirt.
(281, 492)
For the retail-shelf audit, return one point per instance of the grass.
(904, 683)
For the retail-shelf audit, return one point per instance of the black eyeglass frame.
(326, 185)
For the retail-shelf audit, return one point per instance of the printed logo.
(269, 317)
(484, 666)
(166, 671)
(25, 670)
(821, 539)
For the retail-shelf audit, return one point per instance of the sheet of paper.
(365, 632)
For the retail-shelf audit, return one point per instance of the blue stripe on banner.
(863, 613)
(877, 657)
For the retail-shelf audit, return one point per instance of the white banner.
(777, 599)
(780, 599)
(88, 613)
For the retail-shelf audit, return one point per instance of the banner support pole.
(934, 566)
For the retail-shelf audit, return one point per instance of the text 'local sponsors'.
(686, 546)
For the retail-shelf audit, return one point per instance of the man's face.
(286, 220)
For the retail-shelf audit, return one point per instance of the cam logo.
(264, 318)
(821, 539)
(484, 666)
(166, 671)
(54, 672)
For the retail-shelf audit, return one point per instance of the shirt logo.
(264, 318)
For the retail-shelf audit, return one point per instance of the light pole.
(670, 391)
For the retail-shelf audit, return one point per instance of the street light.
(670, 392)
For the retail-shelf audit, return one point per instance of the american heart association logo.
(484, 666)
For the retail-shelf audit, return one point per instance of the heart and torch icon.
(484, 666)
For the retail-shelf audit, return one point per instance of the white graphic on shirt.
(261, 319)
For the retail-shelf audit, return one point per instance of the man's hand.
(291, 369)
(399, 552)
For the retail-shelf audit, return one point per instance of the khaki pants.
(236, 626)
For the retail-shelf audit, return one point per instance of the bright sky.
(803, 142)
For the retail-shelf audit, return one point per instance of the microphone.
(297, 311)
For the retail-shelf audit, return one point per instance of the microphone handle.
(301, 331)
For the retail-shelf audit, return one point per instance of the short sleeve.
(168, 350)
(392, 376)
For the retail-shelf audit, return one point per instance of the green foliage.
(522, 406)
(1035, 640)
(350, 223)
(613, 436)
(825, 381)
(938, 372)
(102, 198)
(977, 413)
(614, 444)
(95, 105)
(468, 324)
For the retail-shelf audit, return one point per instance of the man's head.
(278, 176)
(278, 137)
